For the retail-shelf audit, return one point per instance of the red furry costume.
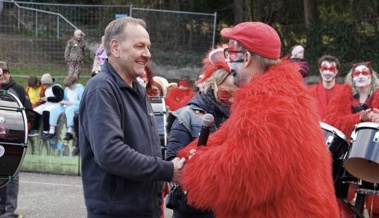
(269, 158)
(323, 96)
(341, 116)
(178, 98)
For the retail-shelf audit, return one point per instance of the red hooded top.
(340, 113)
(323, 96)
(178, 98)
(269, 158)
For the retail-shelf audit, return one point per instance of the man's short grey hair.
(263, 62)
(115, 30)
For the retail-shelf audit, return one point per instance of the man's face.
(133, 53)
(4, 76)
(328, 71)
(236, 61)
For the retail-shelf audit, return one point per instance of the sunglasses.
(231, 56)
(225, 94)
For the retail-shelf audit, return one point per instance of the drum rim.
(367, 124)
(334, 129)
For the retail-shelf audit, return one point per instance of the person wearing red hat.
(269, 158)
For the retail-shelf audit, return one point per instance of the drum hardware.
(376, 137)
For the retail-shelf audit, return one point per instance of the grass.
(21, 74)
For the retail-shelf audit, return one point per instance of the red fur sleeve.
(261, 145)
(339, 112)
(215, 139)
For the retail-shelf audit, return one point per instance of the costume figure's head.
(253, 47)
(328, 67)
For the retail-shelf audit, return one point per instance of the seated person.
(35, 91)
(69, 105)
(53, 95)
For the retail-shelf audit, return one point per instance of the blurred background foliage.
(347, 29)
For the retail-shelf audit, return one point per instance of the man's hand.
(178, 165)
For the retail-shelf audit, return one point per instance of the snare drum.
(363, 158)
(335, 140)
(13, 136)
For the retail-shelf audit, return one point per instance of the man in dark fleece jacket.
(9, 193)
(122, 167)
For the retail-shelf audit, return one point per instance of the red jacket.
(340, 113)
(320, 94)
(178, 98)
(269, 158)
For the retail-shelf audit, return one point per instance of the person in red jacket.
(356, 103)
(327, 88)
(269, 158)
(178, 97)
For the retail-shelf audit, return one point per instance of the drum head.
(363, 169)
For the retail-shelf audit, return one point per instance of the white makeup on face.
(361, 76)
(328, 71)
(142, 82)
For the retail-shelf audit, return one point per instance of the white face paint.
(328, 71)
(237, 64)
(361, 76)
(142, 82)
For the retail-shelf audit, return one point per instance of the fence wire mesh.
(33, 36)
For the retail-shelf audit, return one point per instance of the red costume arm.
(273, 128)
(340, 114)
(217, 138)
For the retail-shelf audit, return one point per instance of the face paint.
(236, 68)
(328, 71)
(142, 82)
(361, 76)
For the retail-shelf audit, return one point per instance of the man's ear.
(115, 48)
(248, 58)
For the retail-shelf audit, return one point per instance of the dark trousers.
(8, 196)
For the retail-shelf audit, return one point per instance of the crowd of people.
(266, 127)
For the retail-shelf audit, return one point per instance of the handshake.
(178, 166)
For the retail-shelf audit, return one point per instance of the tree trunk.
(310, 12)
(238, 11)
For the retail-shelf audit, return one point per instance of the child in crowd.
(35, 91)
(69, 105)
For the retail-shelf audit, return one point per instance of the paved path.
(52, 196)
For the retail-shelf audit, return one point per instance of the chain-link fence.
(33, 36)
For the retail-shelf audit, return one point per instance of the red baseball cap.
(257, 37)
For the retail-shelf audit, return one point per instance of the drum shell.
(13, 136)
(335, 140)
(363, 158)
